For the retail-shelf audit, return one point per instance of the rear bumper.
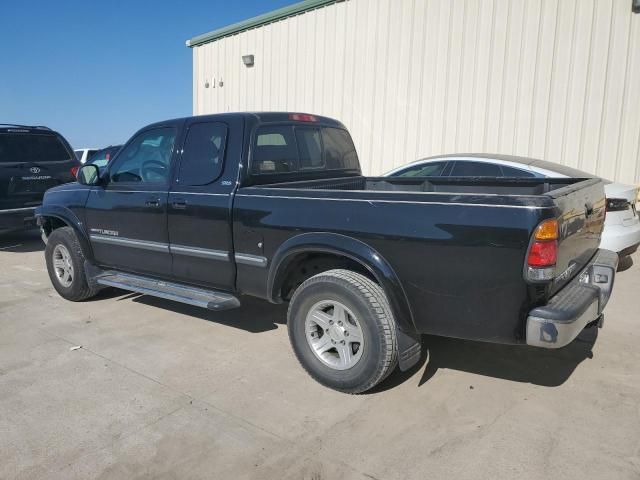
(620, 238)
(16, 218)
(582, 301)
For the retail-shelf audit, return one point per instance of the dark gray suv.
(32, 160)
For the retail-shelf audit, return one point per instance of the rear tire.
(342, 331)
(65, 264)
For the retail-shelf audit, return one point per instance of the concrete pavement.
(164, 390)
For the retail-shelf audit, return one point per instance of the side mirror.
(89, 175)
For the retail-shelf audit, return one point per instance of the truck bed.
(457, 244)
(445, 185)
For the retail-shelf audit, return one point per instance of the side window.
(309, 147)
(433, 169)
(203, 154)
(146, 159)
(274, 150)
(475, 169)
(516, 172)
(339, 151)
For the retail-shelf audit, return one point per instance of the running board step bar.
(198, 297)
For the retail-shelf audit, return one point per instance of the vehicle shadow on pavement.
(254, 315)
(21, 242)
(547, 368)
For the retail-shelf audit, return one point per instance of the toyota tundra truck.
(207, 210)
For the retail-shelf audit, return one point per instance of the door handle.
(153, 202)
(179, 204)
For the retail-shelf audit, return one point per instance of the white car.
(83, 154)
(621, 227)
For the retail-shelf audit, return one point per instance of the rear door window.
(516, 172)
(32, 148)
(203, 154)
(475, 169)
(432, 169)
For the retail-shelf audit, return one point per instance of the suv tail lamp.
(302, 117)
(543, 251)
(74, 171)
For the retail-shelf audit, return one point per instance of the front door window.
(146, 159)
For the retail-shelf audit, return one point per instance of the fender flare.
(356, 250)
(66, 216)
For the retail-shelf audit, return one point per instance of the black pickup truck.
(204, 210)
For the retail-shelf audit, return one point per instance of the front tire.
(65, 264)
(342, 330)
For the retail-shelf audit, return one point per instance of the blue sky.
(98, 71)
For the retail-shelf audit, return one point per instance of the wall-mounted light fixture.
(635, 6)
(247, 60)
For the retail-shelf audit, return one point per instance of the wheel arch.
(354, 251)
(52, 217)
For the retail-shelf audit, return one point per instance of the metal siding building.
(553, 79)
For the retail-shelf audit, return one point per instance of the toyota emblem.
(34, 170)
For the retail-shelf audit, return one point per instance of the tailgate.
(32, 160)
(581, 220)
(24, 184)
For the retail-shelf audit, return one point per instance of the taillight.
(543, 254)
(617, 204)
(74, 171)
(543, 251)
(302, 117)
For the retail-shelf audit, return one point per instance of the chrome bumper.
(581, 302)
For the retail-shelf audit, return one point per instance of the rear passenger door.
(199, 204)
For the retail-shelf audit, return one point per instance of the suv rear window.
(32, 148)
(290, 148)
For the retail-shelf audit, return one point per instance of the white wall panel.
(554, 79)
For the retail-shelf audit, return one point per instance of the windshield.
(32, 148)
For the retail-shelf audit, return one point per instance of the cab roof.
(259, 117)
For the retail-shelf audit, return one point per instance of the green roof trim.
(269, 17)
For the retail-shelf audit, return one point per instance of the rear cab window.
(31, 147)
(299, 149)
(274, 150)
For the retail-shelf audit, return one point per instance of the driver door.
(126, 217)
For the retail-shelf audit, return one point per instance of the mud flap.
(409, 349)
